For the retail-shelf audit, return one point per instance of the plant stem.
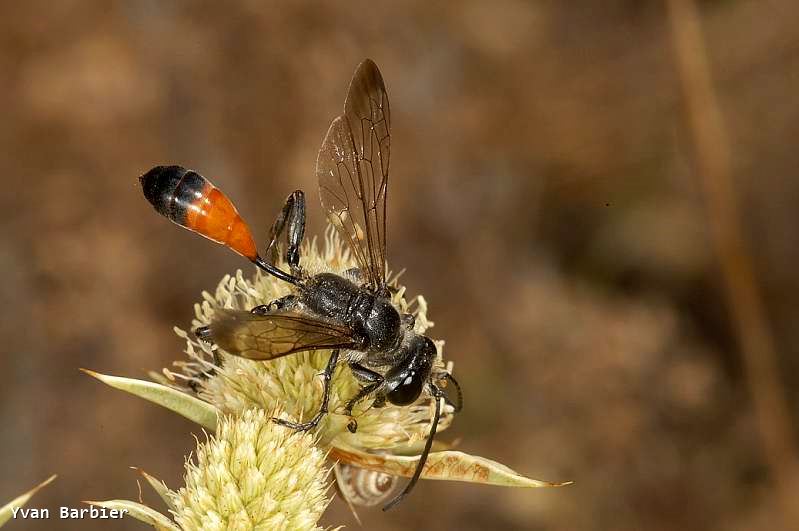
(713, 159)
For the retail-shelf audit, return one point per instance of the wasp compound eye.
(408, 389)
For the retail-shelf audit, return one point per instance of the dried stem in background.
(714, 168)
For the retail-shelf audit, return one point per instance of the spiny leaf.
(159, 487)
(7, 510)
(190, 407)
(139, 512)
(447, 465)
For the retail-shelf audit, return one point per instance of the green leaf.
(7, 511)
(139, 512)
(447, 465)
(190, 407)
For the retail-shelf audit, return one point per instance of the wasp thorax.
(374, 320)
(383, 325)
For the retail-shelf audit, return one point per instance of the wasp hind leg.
(293, 214)
(328, 376)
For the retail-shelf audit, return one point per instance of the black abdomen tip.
(159, 186)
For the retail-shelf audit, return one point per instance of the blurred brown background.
(544, 198)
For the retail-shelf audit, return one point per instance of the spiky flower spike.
(253, 474)
(293, 382)
(211, 384)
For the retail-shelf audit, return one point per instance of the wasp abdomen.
(192, 201)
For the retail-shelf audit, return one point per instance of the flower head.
(253, 474)
(257, 474)
(292, 382)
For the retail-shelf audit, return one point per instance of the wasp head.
(406, 380)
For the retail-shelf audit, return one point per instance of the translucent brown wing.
(278, 333)
(352, 169)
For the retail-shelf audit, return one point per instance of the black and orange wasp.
(351, 314)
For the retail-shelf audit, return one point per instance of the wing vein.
(358, 143)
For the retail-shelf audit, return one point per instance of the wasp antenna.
(422, 458)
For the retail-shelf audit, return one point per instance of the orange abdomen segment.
(214, 216)
(192, 201)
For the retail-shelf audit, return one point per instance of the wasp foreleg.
(371, 380)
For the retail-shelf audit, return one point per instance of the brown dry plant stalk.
(714, 163)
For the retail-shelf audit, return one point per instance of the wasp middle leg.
(328, 376)
(277, 304)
